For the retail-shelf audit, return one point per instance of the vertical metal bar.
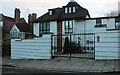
(94, 45)
(51, 46)
(70, 47)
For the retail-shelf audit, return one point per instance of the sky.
(96, 8)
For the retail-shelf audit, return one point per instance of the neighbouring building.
(21, 31)
(16, 27)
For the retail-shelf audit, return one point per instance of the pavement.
(65, 64)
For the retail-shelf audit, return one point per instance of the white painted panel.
(36, 29)
(53, 27)
(109, 22)
(63, 27)
(108, 46)
(38, 48)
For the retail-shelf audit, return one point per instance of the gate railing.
(74, 45)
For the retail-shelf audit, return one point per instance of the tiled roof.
(2, 17)
(58, 14)
(24, 27)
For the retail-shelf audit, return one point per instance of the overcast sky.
(96, 8)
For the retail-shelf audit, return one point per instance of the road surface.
(15, 71)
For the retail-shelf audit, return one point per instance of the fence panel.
(37, 48)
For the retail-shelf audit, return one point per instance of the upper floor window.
(50, 12)
(66, 10)
(68, 26)
(98, 22)
(45, 27)
(73, 9)
(117, 23)
(70, 10)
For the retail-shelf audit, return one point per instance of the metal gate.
(74, 45)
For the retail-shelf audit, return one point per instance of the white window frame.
(74, 9)
(70, 10)
(66, 10)
(50, 12)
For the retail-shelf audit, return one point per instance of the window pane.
(73, 9)
(70, 24)
(98, 21)
(66, 24)
(117, 25)
(50, 12)
(66, 10)
(70, 10)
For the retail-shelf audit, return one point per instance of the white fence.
(37, 48)
(107, 45)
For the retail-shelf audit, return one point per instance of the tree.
(112, 13)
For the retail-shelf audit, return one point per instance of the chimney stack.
(34, 16)
(31, 17)
(17, 15)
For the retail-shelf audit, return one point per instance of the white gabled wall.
(14, 27)
(36, 29)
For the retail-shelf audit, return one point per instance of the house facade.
(74, 19)
(21, 31)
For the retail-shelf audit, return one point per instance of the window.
(45, 28)
(66, 10)
(98, 22)
(70, 10)
(21, 35)
(50, 12)
(68, 26)
(98, 38)
(14, 34)
(73, 9)
(117, 23)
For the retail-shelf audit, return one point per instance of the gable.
(14, 27)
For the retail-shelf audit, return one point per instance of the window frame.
(70, 9)
(50, 12)
(66, 10)
(117, 23)
(98, 21)
(74, 9)
(68, 29)
(44, 27)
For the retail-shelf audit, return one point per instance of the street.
(15, 71)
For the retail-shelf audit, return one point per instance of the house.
(70, 32)
(98, 36)
(21, 31)
(10, 23)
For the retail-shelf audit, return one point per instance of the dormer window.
(73, 9)
(50, 12)
(70, 10)
(66, 10)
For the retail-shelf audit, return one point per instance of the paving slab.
(96, 69)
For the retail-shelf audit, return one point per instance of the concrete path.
(69, 65)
